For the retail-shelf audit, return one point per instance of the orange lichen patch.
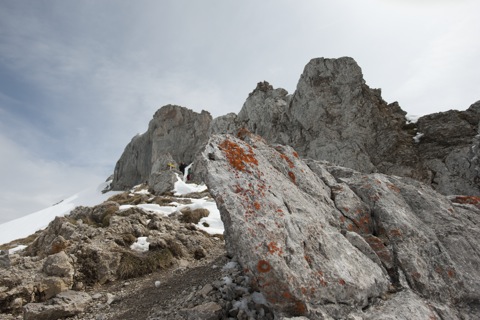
(416, 275)
(467, 200)
(341, 281)
(323, 283)
(287, 159)
(237, 156)
(395, 233)
(295, 154)
(300, 308)
(274, 248)
(393, 187)
(263, 266)
(292, 176)
(256, 205)
(287, 295)
(345, 209)
(378, 246)
(451, 273)
(308, 259)
(242, 133)
(342, 219)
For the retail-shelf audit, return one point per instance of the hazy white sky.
(78, 79)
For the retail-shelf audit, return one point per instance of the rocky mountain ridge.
(333, 116)
(334, 207)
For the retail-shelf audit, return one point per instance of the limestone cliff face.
(174, 135)
(449, 146)
(333, 115)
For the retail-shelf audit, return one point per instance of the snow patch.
(29, 224)
(411, 118)
(418, 136)
(230, 265)
(141, 244)
(17, 249)
(182, 187)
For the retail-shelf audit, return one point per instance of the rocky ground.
(83, 267)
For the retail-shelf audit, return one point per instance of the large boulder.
(321, 240)
(175, 133)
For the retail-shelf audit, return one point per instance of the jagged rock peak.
(174, 135)
(333, 115)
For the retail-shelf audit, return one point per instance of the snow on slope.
(29, 224)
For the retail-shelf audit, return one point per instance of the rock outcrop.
(334, 116)
(449, 144)
(174, 135)
(92, 246)
(323, 241)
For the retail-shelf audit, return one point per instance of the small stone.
(96, 296)
(110, 298)
(157, 284)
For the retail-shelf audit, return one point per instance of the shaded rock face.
(174, 135)
(323, 241)
(449, 145)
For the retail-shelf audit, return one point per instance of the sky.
(78, 79)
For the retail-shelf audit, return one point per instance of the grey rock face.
(323, 241)
(334, 116)
(174, 132)
(279, 220)
(4, 259)
(450, 148)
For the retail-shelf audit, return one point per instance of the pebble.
(157, 284)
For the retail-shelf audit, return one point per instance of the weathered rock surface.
(324, 241)
(65, 304)
(175, 133)
(92, 246)
(333, 115)
(449, 145)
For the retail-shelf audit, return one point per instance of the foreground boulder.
(324, 241)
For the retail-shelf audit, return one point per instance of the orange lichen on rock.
(263, 266)
(256, 205)
(451, 273)
(467, 200)
(393, 187)
(287, 159)
(341, 281)
(274, 248)
(292, 176)
(237, 156)
(295, 154)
